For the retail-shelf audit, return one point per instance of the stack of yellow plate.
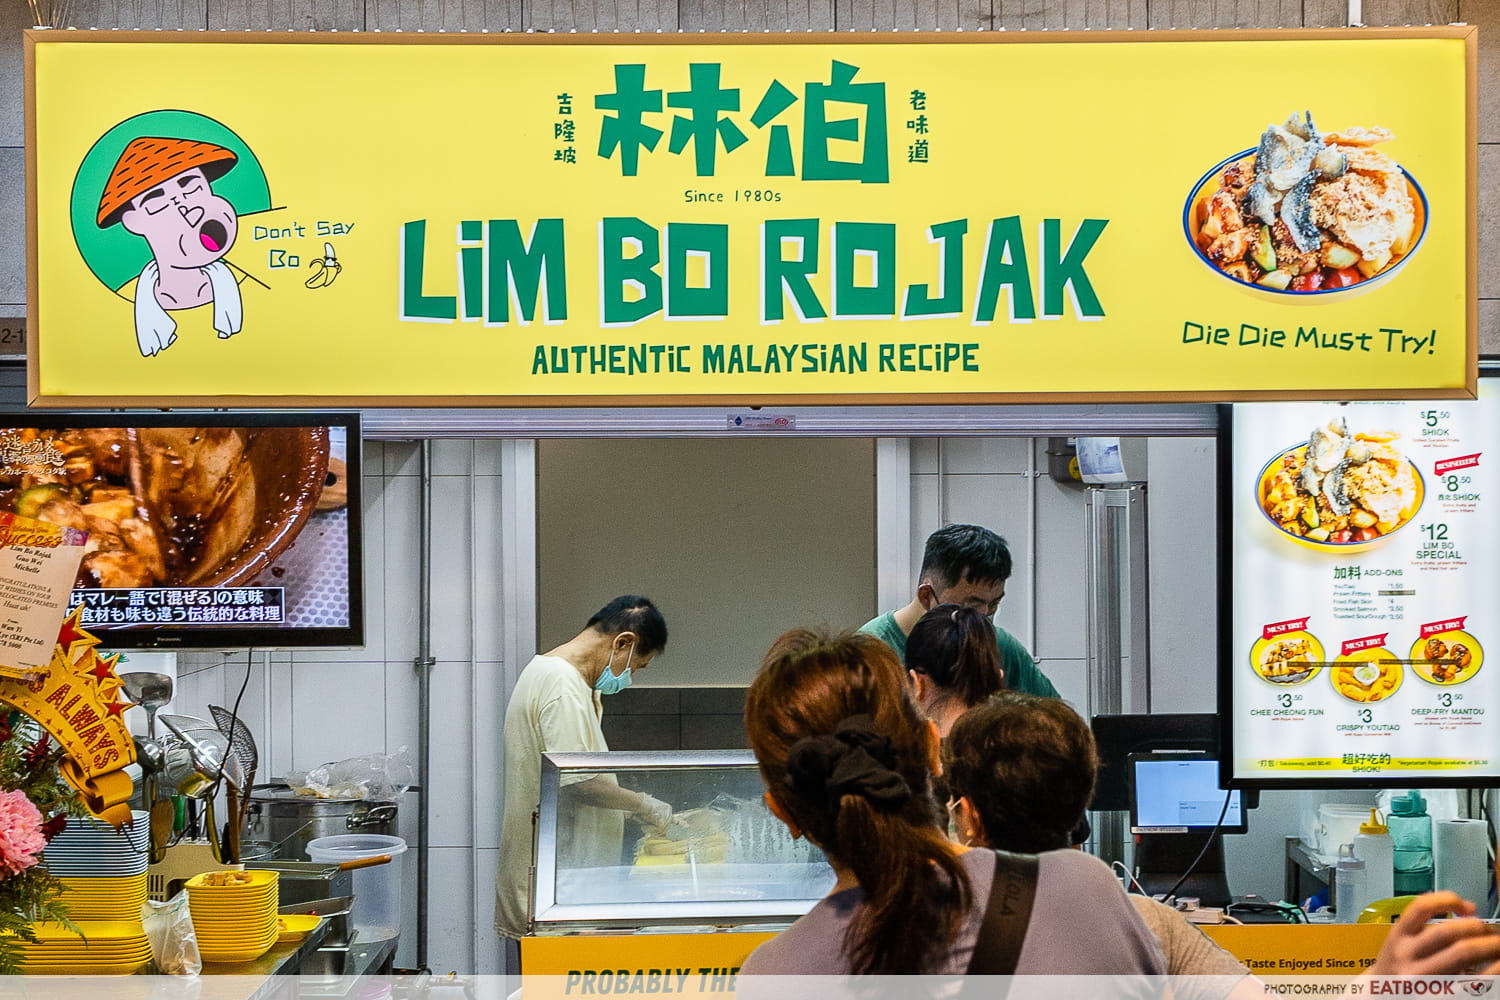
(235, 919)
(117, 898)
(106, 948)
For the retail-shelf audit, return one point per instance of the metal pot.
(289, 821)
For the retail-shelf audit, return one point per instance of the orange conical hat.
(147, 161)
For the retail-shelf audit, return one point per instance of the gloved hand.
(654, 814)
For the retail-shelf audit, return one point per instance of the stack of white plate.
(88, 848)
(105, 948)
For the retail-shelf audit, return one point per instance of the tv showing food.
(206, 529)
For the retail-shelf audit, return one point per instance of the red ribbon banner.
(1451, 625)
(1450, 464)
(1368, 642)
(1282, 628)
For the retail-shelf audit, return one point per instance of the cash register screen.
(1180, 793)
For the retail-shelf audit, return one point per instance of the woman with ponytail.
(848, 758)
(953, 661)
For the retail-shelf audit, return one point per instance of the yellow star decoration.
(77, 701)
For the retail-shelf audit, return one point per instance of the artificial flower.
(31, 791)
(21, 837)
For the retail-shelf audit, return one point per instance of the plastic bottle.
(1373, 845)
(1411, 838)
(1350, 890)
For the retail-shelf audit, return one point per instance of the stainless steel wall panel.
(288, 15)
(749, 15)
(601, 15)
(905, 15)
(1486, 15)
(14, 17)
(1072, 15)
(12, 221)
(148, 15)
(1489, 221)
(1388, 12)
(440, 15)
(1325, 13)
(1184, 14)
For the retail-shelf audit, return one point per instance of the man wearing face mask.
(967, 565)
(557, 706)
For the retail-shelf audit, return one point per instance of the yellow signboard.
(1302, 949)
(578, 965)
(535, 220)
(699, 965)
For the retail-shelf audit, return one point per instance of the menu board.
(1362, 541)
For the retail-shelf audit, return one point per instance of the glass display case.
(724, 860)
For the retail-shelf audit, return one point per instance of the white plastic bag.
(169, 928)
(377, 776)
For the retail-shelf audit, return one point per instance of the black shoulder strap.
(1003, 929)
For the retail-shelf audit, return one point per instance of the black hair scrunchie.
(854, 760)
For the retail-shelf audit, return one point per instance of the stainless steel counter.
(302, 970)
(282, 959)
(297, 971)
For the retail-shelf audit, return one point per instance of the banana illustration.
(325, 269)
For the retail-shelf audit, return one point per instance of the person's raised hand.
(1459, 946)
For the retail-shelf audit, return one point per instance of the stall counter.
(1301, 949)
(595, 964)
(706, 963)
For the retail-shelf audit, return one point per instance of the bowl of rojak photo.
(1307, 213)
(1340, 490)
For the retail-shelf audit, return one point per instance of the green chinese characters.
(833, 114)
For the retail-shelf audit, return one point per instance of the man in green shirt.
(964, 564)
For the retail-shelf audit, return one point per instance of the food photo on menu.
(1342, 487)
(1307, 212)
(1360, 589)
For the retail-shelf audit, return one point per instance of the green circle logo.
(115, 255)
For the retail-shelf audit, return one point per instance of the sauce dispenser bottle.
(1350, 889)
(1373, 845)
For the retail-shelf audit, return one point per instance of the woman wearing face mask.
(847, 758)
(557, 706)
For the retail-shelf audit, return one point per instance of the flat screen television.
(1180, 793)
(207, 530)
